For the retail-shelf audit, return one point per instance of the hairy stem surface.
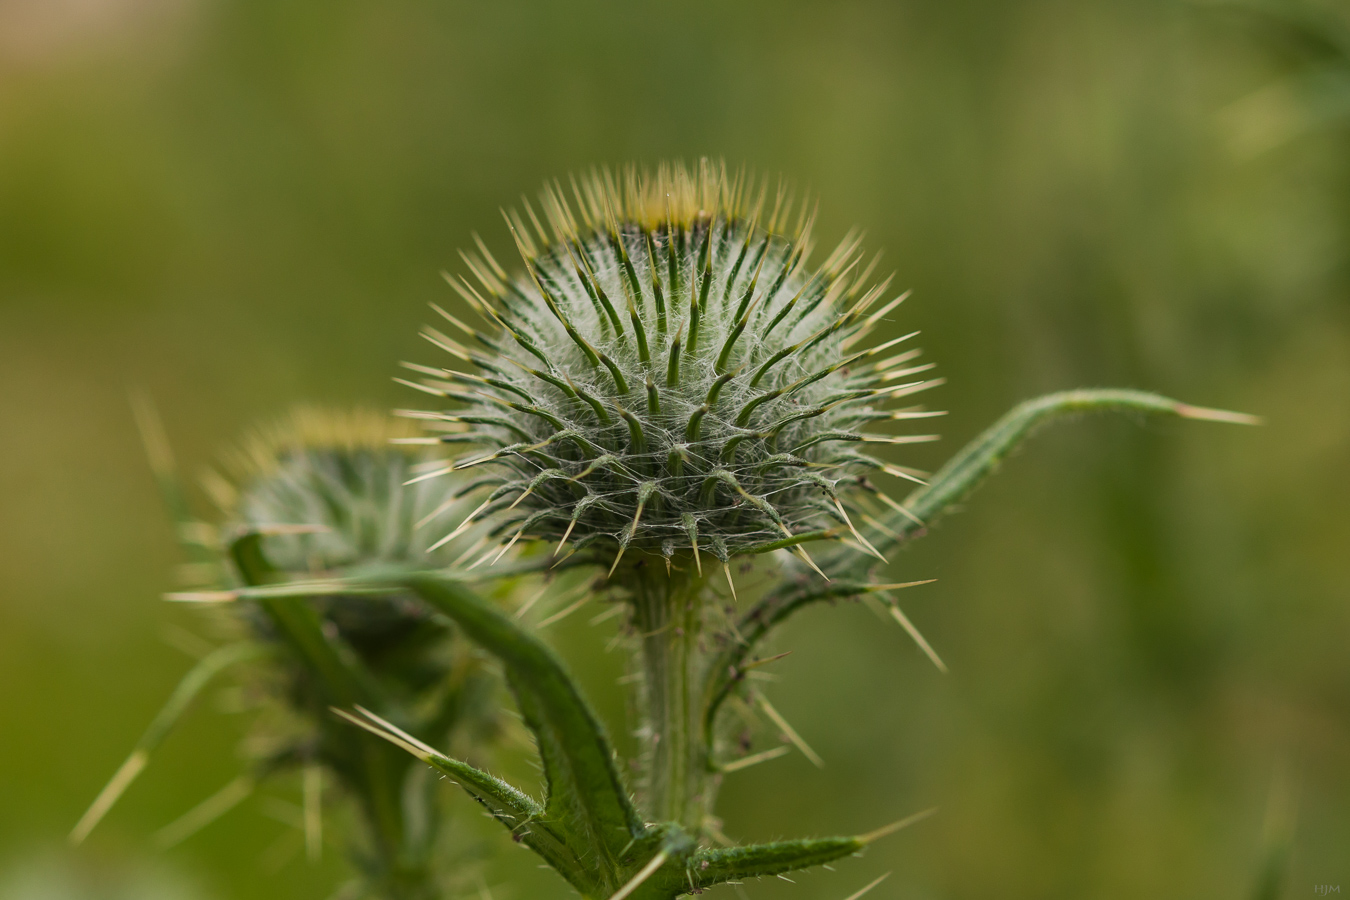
(668, 614)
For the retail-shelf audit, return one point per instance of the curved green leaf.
(954, 481)
(588, 804)
(520, 813)
(709, 867)
(981, 457)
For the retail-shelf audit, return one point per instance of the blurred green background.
(240, 205)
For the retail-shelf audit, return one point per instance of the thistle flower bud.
(330, 488)
(669, 374)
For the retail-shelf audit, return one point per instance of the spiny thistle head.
(668, 372)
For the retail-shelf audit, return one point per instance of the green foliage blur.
(236, 206)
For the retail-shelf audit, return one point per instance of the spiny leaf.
(965, 471)
(522, 815)
(718, 866)
(980, 458)
(585, 789)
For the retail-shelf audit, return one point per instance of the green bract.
(669, 373)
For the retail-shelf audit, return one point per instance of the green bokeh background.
(240, 205)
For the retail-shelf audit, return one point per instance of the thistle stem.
(668, 612)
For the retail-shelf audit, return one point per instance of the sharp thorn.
(900, 509)
(754, 759)
(790, 733)
(566, 534)
(462, 526)
(918, 638)
(559, 616)
(618, 556)
(1186, 411)
(868, 887)
(892, 828)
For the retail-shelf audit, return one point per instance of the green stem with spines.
(668, 615)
